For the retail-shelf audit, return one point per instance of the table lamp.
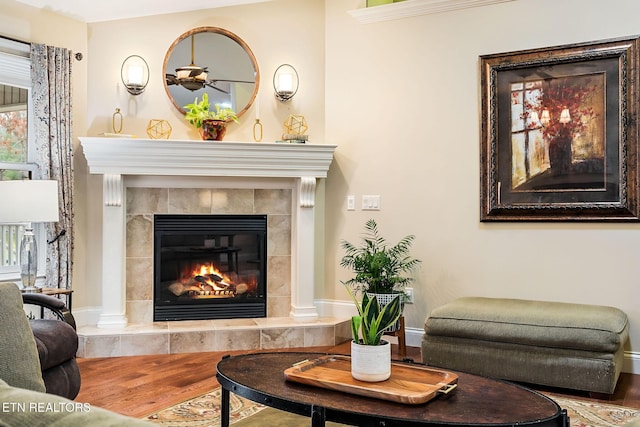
(27, 202)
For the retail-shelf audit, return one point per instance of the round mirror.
(213, 61)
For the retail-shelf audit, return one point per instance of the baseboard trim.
(631, 362)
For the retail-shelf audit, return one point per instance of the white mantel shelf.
(120, 159)
(133, 156)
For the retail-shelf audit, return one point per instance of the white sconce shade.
(135, 74)
(285, 82)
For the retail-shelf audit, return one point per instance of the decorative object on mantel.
(159, 129)
(257, 131)
(213, 123)
(294, 130)
(117, 117)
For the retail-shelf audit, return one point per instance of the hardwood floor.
(140, 385)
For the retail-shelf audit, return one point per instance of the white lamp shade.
(29, 201)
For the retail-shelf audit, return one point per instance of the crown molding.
(409, 8)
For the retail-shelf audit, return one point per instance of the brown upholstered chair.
(57, 344)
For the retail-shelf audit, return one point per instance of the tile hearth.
(210, 335)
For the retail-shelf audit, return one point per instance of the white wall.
(403, 105)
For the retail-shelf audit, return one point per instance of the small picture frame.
(559, 133)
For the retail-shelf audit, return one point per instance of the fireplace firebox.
(210, 267)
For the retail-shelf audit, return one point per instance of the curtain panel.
(51, 96)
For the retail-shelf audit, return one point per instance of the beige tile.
(191, 342)
(139, 236)
(273, 201)
(240, 339)
(140, 311)
(191, 326)
(279, 235)
(81, 346)
(232, 201)
(147, 200)
(102, 346)
(140, 344)
(343, 332)
(322, 335)
(146, 328)
(189, 200)
(279, 276)
(282, 338)
(219, 324)
(278, 306)
(139, 278)
(278, 322)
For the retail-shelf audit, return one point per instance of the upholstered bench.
(573, 346)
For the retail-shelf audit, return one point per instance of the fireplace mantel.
(118, 158)
(206, 158)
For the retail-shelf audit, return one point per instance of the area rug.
(204, 411)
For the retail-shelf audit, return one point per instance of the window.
(16, 160)
(527, 144)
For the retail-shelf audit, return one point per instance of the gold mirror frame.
(195, 45)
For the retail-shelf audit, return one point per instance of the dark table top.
(476, 401)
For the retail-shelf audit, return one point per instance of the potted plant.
(212, 122)
(370, 354)
(379, 268)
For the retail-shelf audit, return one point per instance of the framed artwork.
(559, 133)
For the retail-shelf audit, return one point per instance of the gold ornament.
(295, 125)
(159, 129)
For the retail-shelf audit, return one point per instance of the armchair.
(21, 376)
(57, 344)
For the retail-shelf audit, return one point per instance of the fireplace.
(209, 267)
(143, 163)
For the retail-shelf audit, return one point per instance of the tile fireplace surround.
(143, 177)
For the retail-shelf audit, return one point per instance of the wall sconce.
(285, 82)
(134, 74)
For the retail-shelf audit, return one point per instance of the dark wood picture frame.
(559, 133)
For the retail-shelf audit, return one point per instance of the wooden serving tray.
(408, 383)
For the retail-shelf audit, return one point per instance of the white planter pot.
(371, 363)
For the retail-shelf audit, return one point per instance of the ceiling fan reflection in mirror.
(193, 77)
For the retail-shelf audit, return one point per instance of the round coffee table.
(477, 400)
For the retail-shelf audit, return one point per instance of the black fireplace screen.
(210, 266)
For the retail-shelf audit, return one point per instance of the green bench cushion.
(534, 323)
